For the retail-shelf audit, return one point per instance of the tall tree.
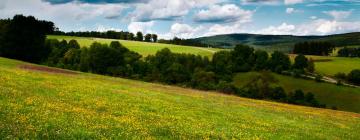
(148, 38)
(139, 36)
(301, 62)
(154, 37)
(131, 36)
(24, 39)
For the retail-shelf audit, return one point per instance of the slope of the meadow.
(38, 102)
(330, 65)
(342, 97)
(143, 48)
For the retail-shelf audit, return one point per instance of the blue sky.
(194, 18)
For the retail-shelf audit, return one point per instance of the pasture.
(330, 65)
(36, 104)
(143, 48)
(344, 98)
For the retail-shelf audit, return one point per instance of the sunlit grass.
(40, 105)
(144, 48)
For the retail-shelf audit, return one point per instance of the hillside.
(342, 97)
(143, 48)
(47, 103)
(277, 42)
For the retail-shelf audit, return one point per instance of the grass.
(42, 105)
(143, 48)
(344, 98)
(330, 65)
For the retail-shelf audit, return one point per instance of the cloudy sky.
(194, 18)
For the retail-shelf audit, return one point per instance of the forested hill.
(255, 40)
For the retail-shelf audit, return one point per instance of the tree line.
(113, 35)
(313, 48)
(349, 52)
(185, 42)
(187, 70)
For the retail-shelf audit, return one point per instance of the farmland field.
(329, 65)
(37, 104)
(143, 48)
(344, 98)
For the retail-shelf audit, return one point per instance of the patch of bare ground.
(46, 69)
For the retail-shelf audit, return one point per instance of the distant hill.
(276, 42)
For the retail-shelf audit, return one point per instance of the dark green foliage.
(74, 44)
(222, 63)
(310, 66)
(301, 62)
(354, 76)
(261, 60)
(23, 38)
(243, 58)
(203, 80)
(108, 34)
(349, 52)
(139, 36)
(318, 78)
(340, 75)
(154, 37)
(313, 48)
(148, 38)
(279, 62)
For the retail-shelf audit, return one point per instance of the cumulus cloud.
(224, 29)
(290, 10)
(266, 2)
(224, 14)
(338, 15)
(166, 9)
(144, 27)
(289, 2)
(293, 10)
(283, 29)
(315, 27)
(61, 14)
(95, 1)
(313, 17)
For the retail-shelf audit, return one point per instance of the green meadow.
(143, 48)
(330, 65)
(36, 104)
(342, 97)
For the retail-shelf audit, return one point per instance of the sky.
(194, 18)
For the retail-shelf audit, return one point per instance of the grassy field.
(43, 105)
(344, 98)
(143, 48)
(329, 65)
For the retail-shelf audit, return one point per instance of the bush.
(354, 76)
(318, 78)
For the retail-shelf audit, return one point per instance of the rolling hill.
(276, 42)
(38, 102)
(341, 97)
(143, 48)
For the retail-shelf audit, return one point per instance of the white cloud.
(144, 27)
(315, 27)
(313, 17)
(224, 13)
(102, 28)
(63, 15)
(166, 9)
(289, 2)
(290, 10)
(283, 29)
(224, 29)
(338, 15)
